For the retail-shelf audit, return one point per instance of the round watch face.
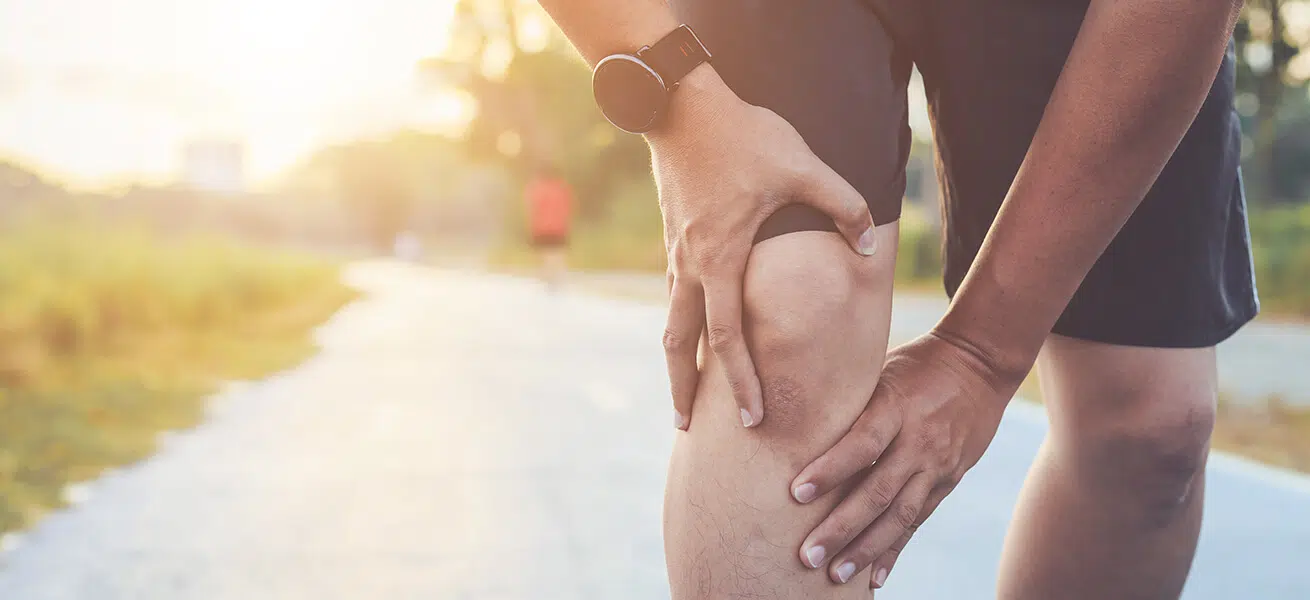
(630, 94)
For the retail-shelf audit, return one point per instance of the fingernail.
(868, 242)
(746, 418)
(804, 492)
(880, 578)
(815, 556)
(679, 421)
(845, 571)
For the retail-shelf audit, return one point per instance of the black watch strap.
(675, 55)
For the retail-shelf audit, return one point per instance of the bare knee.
(1159, 459)
(1139, 423)
(816, 322)
(816, 318)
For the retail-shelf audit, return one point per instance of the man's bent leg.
(817, 321)
(1112, 506)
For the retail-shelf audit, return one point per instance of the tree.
(538, 98)
(1268, 47)
(377, 190)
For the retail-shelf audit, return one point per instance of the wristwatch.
(633, 90)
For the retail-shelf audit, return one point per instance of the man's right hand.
(722, 167)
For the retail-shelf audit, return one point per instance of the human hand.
(723, 166)
(932, 415)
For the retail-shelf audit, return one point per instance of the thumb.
(832, 195)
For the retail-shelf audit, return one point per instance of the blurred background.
(182, 183)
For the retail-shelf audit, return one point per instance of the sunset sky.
(98, 92)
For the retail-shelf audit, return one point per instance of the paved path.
(471, 437)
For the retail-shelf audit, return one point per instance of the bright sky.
(99, 92)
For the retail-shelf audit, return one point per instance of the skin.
(722, 167)
(1134, 81)
(730, 528)
(554, 265)
(1112, 505)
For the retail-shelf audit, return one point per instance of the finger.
(899, 520)
(882, 567)
(857, 511)
(723, 322)
(866, 441)
(835, 197)
(681, 337)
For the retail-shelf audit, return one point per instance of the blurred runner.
(550, 207)
(408, 247)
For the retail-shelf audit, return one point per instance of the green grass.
(108, 337)
(1281, 243)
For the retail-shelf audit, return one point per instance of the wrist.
(1003, 315)
(992, 337)
(701, 97)
(1001, 366)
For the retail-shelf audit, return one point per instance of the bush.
(1281, 239)
(919, 252)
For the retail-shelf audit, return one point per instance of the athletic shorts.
(1179, 273)
(549, 240)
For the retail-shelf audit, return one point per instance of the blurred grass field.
(109, 336)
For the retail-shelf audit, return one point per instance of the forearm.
(1134, 81)
(598, 28)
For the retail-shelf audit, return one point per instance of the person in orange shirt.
(550, 207)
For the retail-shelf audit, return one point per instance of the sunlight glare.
(285, 76)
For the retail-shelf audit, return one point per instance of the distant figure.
(408, 247)
(550, 207)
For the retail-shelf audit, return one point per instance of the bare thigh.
(817, 322)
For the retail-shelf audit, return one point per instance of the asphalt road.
(473, 437)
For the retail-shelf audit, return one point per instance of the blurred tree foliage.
(1281, 238)
(534, 93)
(404, 181)
(534, 102)
(1271, 80)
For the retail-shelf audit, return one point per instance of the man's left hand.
(933, 413)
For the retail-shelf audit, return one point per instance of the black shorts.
(1179, 274)
(549, 240)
